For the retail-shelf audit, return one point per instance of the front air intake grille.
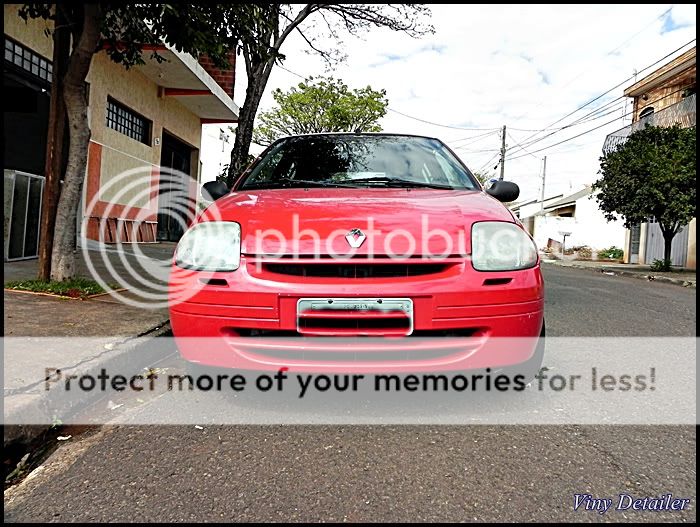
(350, 270)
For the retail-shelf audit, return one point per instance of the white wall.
(533, 208)
(588, 227)
(214, 153)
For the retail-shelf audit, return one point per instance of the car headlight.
(501, 246)
(210, 246)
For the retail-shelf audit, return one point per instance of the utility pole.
(503, 152)
(57, 128)
(544, 173)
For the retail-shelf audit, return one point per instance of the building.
(217, 142)
(663, 98)
(141, 119)
(526, 211)
(573, 220)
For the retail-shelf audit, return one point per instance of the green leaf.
(650, 176)
(321, 104)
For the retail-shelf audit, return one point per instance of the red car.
(358, 235)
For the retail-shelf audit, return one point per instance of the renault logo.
(355, 238)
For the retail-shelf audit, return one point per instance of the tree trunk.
(257, 81)
(63, 256)
(668, 232)
(54, 145)
(668, 241)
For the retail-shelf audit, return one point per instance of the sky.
(487, 66)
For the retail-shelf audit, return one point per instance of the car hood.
(394, 221)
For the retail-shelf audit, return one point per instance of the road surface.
(390, 473)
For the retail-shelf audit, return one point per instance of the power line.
(579, 120)
(618, 85)
(600, 108)
(530, 129)
(290, 71)
(514, 139)
(479, 151)
(576, 147)
(565, 140)
(569, 114)
(476, 137)
(603, 107)
(525, 143)
(597, 127)
(438, 124)
(607, 54)
(659, 17)
(609, 90)
(493, 158)
(662, 15)
(410, 116)
(460, 147)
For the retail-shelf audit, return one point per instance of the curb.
(134, 353)
(64, 297)
(642, 276)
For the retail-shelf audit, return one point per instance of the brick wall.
(223, 77)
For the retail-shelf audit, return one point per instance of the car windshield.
(359, 161)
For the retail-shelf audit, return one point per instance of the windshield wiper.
(402, 183)
(352, 183)
(289, 183)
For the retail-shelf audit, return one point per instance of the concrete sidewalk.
(54, 324)
(684, 277)
(152, 253)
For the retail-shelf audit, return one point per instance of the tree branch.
(301, 16)
(324, 54)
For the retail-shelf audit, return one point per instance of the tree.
(121, 30)
(321, 105)
(223, 175)
(651, 177)
(261, 47)
(482, 177)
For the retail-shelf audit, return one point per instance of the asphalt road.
(389, 473)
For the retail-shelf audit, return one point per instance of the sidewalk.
(685, 277)
(109, 328)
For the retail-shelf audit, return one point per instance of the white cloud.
(490, 65)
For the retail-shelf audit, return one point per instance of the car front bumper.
(462, 319)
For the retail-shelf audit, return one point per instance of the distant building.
(577, 215)
(143, 118)
(663, 98)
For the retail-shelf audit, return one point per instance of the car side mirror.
(504, 191)
(214, 190)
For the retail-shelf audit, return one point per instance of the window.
(646, 112)
(128, 122)
(24, 58)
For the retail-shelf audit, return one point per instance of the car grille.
(352, 270)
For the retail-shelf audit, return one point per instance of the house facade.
(663, 98)
(143, 120)
(571, 220)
